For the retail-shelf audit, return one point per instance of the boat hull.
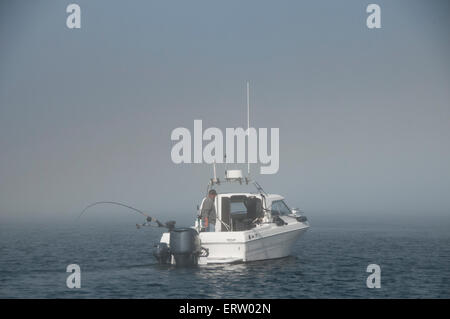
(260, 243)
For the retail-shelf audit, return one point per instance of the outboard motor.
(185, 246)
(162, 253)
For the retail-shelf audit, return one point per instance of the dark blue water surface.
(328, 262)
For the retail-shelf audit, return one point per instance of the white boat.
(249, 226)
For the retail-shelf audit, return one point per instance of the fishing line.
(114, 203)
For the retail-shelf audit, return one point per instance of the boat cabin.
(239, 211)
(242, 211)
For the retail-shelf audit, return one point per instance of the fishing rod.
(170, 224)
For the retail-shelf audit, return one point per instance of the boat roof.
(269, 196)
(234, 177)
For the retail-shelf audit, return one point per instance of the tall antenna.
(248, 127)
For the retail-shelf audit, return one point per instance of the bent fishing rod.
(169, 225)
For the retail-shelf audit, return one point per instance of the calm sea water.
(328, 262)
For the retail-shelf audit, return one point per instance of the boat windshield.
(279, 207)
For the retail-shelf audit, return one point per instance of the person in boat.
(208, 212)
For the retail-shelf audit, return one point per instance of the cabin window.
(280, 208)
(239, 212)
(238, 207)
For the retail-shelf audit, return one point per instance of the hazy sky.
(86, 115)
